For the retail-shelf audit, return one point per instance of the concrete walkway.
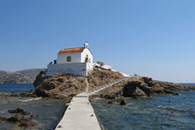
(80, 114)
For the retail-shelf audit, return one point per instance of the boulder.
(19, 110)
(132, 89)
(21, 118)
(148, 81)
(110, 102)
(123, 102)
(16, 118)
(2, 119)
(28, 124)
(34, 116)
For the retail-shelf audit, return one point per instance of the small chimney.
(86, 45)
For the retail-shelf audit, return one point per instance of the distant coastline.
(19, 77)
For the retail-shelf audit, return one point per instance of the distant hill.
(31, 73)
(19, 77)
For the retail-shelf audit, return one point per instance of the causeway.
(80, 114)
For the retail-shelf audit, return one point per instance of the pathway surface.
(80, 114)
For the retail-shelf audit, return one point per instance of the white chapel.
(76, 61)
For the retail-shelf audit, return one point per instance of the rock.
(12, 111)
(16, 118)
(25, 113)
(65, 85)
(23, 122)
(27, 124)
(142, 87)
(109, 97)
(147, 90)
(34, 116)
(19, 110)
(123, 102)
(2, 119)
(157, 88)
(148, 81)
(59, 86)
(132, 89)
(176, 94)
(20, 118)
(110, 102)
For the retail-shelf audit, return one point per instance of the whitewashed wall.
(75, 58)
(106, 67)
(81, 69)
(85, 53)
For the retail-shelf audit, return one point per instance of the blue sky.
(153, 38)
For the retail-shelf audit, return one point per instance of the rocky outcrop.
(103, 77)
(142, 87)
(59, 86)
(66, 86)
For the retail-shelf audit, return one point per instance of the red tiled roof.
(71, 50)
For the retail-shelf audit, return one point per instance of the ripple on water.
(162, 112)
(49, 111)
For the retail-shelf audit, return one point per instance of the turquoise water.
(157, 113)
(49, 110)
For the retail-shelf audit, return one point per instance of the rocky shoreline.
(65, 86)
(138, 87)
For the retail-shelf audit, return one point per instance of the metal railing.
(91, 92)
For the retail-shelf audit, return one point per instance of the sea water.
(50, 111)
(157, 113)
(16, 88)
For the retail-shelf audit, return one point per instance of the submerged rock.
(16, 118)
(27, 124)
(34, 116)
(19, 110)
(21, 121)
(21, 117)
(3, 119)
